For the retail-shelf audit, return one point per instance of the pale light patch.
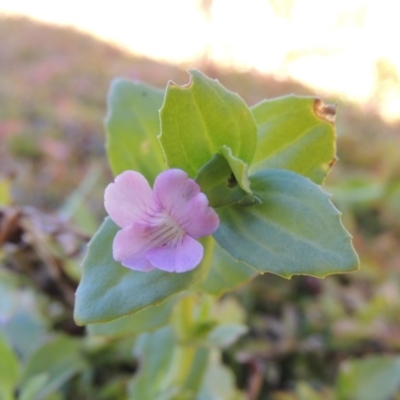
(334, 48)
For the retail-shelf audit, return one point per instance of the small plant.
(247, 181)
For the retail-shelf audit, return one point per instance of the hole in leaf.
(231, 181)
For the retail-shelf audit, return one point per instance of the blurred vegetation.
(308, 339)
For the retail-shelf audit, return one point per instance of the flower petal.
(197, 218)
(183, 257)
(181, 198)
(137, 264)
(130, 246)
(173, 188)
(129, 199)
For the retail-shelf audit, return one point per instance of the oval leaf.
(201, 117)
(132, 125)
(295, 230)
(147, 320)
(9, 369)
(108, 291)
(59, 360)
(225, 335)
(155, 352)
(373, 377)
(295, 133)
(33, 386)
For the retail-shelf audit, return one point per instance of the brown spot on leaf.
(332, 162)
(327, 112)
(231, 181)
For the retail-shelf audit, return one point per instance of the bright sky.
(334, 46)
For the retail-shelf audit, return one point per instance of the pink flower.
(159, 227)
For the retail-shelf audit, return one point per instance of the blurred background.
(345, 48)
(56, 63)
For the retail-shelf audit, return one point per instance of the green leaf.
(358, 192)
(109, 291)
(76, 208)
(238, 167)
(219, 381)
(201, 117)
(9, 370)
(305, 391)
(218, 184)
(225, 335)
(295, 230)
(197, 371)
(132, 126)
(229, 310)
(371, 378)
(167, 371)
(9, 296)
(147, 320)
(59, 360)
(26, 330)
(155, 350)
(5, 191)
(225, 274)
(33, 386)
(295, 133)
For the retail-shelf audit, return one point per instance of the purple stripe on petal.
(181, 198)
(159, 230)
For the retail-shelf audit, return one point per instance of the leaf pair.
(277, 220)
(289, 225)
